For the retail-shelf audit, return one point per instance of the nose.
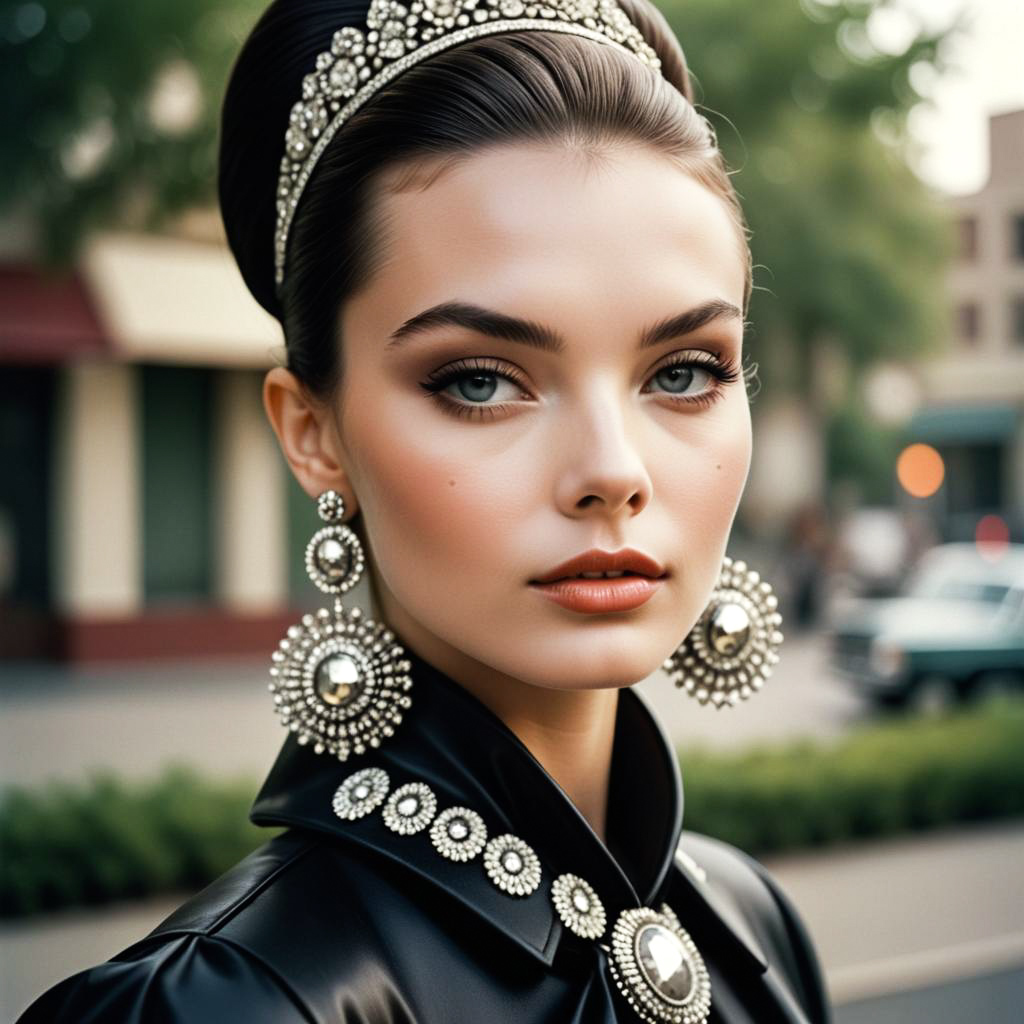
(603, 469)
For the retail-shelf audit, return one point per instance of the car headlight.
(886, 659)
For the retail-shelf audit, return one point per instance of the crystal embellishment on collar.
(397, 36)
(410, 808)
(458, 833)
(652, 959)
(512, 865)
(362, 792)
(579, 907)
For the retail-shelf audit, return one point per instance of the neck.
(570, 732)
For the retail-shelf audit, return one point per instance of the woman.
(512, 275)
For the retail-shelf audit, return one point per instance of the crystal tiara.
(397, 36)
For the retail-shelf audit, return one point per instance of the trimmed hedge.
(65, 846)
(106, 840)
(906, 775)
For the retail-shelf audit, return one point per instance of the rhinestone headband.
(398, 36)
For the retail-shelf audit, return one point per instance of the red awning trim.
(47, 317)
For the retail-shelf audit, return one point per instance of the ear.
(308, 436)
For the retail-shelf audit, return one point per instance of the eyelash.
(436, 382)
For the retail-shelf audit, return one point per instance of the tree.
(110, 112)
(849, 246)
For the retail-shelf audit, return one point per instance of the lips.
(627, 560)
(621, 594)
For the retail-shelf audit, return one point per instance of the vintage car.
(955, 631)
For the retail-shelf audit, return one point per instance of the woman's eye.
(696, 378)
(481, 387)
(466, 388)
(683, 379)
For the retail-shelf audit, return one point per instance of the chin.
(593, 665)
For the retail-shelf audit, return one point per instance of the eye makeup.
(692, 365)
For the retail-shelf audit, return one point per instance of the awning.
(46, 317)
(171, 300)
(964, 424)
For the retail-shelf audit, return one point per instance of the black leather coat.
(347, 921)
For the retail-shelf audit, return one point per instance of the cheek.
(706, 480)
(702, 492)
(434, 510)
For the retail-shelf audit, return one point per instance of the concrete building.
(974, 391)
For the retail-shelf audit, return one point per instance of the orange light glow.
(992, 536)
(920, 470)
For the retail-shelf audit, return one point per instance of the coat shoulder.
(213, 958)
(749, 890)
(172, 979)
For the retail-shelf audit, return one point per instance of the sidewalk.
(63, 723)
(904, 914)
(886, 917)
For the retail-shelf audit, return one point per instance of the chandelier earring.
(734, 645)
(340, 680)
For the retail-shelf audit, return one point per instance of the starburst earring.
(340, 681)
(733, 646)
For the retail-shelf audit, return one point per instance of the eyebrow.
(529, 332)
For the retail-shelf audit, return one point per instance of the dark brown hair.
(526, 86)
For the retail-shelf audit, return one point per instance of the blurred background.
(152, 540)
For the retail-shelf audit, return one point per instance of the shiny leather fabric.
(347, 922)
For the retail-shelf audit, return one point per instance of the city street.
(923, 928)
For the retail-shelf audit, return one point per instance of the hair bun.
(265, 82)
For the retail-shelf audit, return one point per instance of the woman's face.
(481, 462)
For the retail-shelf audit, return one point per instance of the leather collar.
(468, 756)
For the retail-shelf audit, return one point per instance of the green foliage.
(80, 143)
(107, 840)
(904, 776)
(862, 449)
(849, 246)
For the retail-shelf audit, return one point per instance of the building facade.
(974, 391)
(145, 510)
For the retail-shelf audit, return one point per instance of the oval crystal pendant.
(658, 968)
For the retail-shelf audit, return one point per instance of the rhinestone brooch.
(410, 808)
(360, 793)
(658, 968)
(458, 833)
(512, 865)
(578, 906)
